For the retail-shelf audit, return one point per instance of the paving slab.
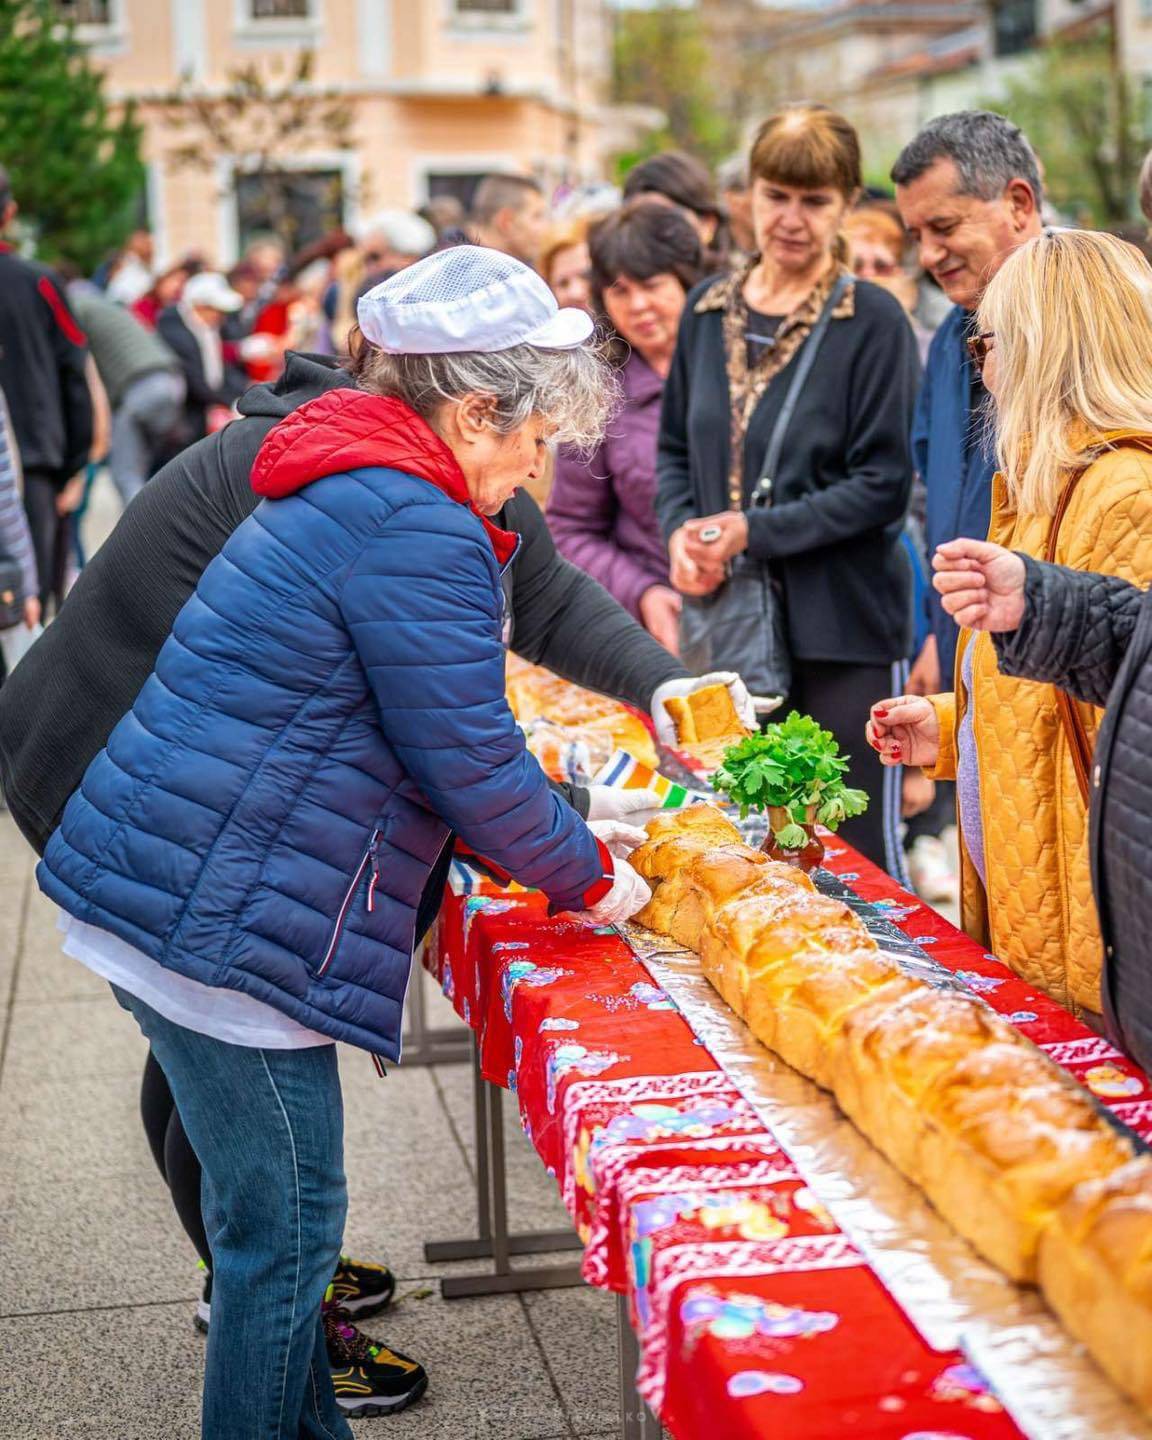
(576, 1330)
(46, 973)
(75, 1040)
(132, 1374)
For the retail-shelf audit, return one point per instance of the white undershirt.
(224, 1014)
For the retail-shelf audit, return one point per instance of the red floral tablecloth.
(756, 1314)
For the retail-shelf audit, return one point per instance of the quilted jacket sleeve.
(945, 767)
(423, 606)
(1075, 630)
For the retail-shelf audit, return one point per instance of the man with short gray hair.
(969, 191)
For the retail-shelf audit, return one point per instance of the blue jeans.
(268, 1129)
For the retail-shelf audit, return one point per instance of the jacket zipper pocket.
(371, 857)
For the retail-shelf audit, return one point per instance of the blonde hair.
(562, 237)
(1071, 313)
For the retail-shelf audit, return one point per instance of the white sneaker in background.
(933, 876)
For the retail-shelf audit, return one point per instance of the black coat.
(832, 534)
(42, 359)
(68, 693)
(199, 395)
(1092, 636)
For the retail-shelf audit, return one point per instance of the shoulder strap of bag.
(762, 494)
(1074, 732)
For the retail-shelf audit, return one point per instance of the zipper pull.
(374, 852)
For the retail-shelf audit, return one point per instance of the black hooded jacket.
(62, 702)
(1092, 636)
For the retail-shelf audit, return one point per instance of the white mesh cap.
(467, 298)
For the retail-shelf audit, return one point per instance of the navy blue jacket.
(329, 706)
(955, 462)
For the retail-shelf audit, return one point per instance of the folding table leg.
(426, 1044)
(636, 1421)
(502, 1279)
(480, 1246)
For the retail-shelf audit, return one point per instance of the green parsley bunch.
(793, 766)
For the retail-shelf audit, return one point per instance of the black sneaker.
(358, 1286)
(369, 1379)
(362, 1288)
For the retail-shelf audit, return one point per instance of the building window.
(1014, 26)
(483, 16)
(86, 12)
(461, 185)
(297, 206)
(280, 9)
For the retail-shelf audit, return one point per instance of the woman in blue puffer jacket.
(245, 858)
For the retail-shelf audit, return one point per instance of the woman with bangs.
(1064, 341)
(823, 530)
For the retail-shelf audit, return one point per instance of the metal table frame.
(425, 1045)
(492, 1240)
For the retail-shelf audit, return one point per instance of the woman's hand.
(687, 576)
(660, 612)
(980, 585)
(32, 612)
(732, 539)
(905, 731)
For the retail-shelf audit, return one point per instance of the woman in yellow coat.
(1064, 334)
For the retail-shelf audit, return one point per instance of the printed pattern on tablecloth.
(612, 1124)
(692, 1177)
(761, 1352)
(697, 1257)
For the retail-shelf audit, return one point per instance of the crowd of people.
(886, 457)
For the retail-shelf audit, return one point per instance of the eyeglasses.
(978, 348)
(876, 269)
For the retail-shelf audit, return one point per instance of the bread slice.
(705, 717)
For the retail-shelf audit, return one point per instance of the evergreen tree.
(73, 157)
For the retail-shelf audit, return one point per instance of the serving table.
(775, 1276)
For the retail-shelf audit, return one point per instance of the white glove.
(608, 802)
(745, 704)
(620, 839)
(628, 894)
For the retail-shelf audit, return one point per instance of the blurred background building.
(299, 116)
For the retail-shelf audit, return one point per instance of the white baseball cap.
(467, 298)
(211, 290)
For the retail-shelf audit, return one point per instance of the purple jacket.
(601, 511)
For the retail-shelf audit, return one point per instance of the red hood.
(349, 429)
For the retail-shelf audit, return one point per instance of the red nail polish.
(880, 714)
(896, 753)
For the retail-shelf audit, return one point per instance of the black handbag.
(11, 594)
(741, 626)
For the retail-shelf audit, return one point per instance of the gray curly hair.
(574, 390)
